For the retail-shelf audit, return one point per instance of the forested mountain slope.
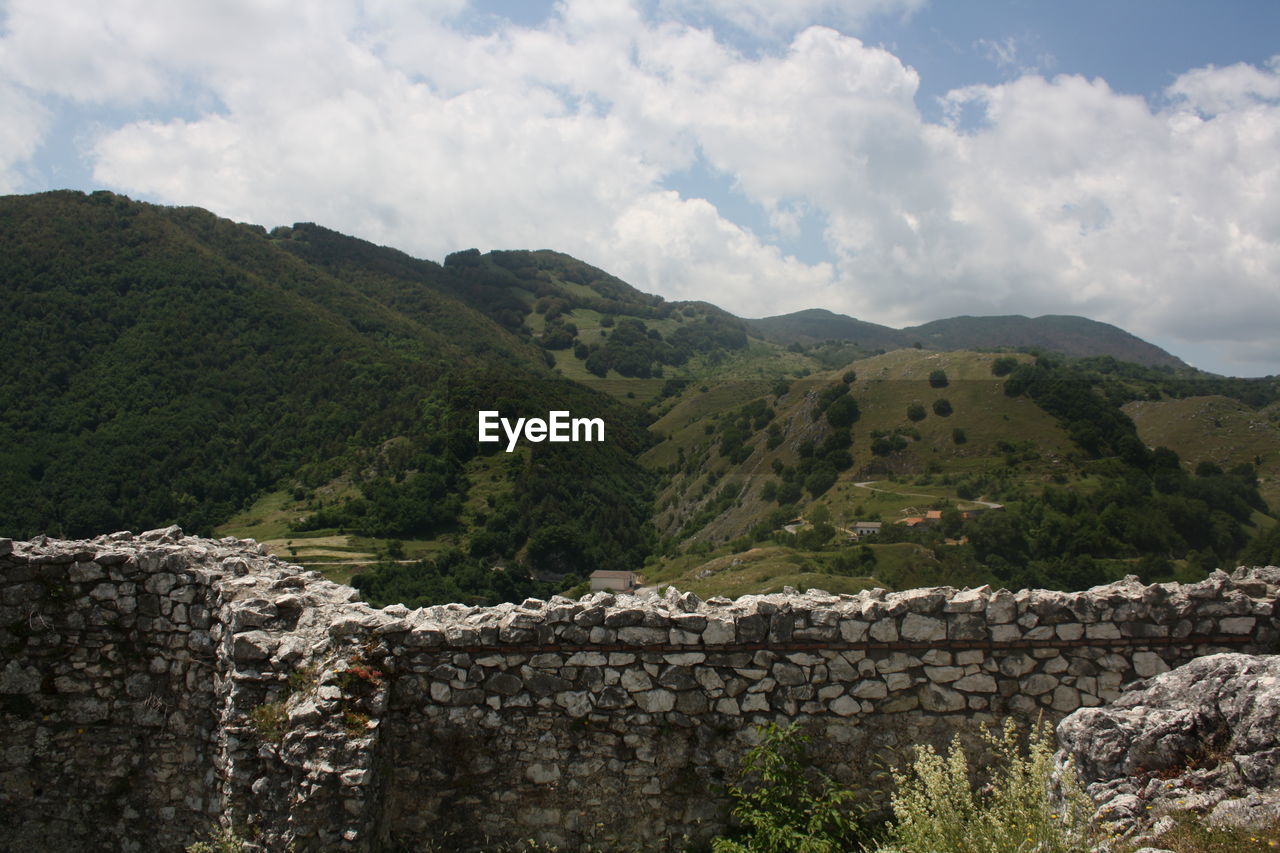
(320, 393)
(165, 365)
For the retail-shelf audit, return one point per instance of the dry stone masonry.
(154, 687)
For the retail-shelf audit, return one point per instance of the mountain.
(162, 364)
(1075, 337)
(818, 324)
(320, 393)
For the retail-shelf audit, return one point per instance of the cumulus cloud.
(22, 131)
(387, 120)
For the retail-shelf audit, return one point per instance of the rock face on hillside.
(1203, 738)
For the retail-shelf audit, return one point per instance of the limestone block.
(853, 630)
(923, 629)
(896, 681)
(1035, 685)
(788, 674)
(896, 662)
(1069, 631)
(718, 632)
(869, 689)
(978, 683)
(943, 674)
(1147, 664)
(1102, 631)
(1237, 625)
(1055, 665)
(678, 678)
(967, 626)
(1005, 633)
(935, 697)
(1002, 608)
(968, 601)
(253, 645)
(885, 631)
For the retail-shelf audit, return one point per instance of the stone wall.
(153, 686)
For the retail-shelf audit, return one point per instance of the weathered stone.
(943, 674)
(254, 645)
(924, 629)
(977, 683)
(935, 697)
(896, 662)
(788, 674)
(869, 689)
(1034, 685)
(885, 631)
(678, 678)
(1147, 664)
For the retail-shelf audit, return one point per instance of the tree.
(785, 807)
(842, 412)
(938, 379)
(1004, 365)
(942, 407)
(822, 478)
(915, 412)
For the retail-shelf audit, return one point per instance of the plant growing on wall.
(784, 805)
(937, 809)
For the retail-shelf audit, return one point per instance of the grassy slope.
(1215, 429)
(885, 386)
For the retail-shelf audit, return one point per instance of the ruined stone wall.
(168, 679)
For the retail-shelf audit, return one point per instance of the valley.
(319, 394)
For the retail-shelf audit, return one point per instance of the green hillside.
(164, 365)
(319, 393)
(1216, 430)
(1035, 474)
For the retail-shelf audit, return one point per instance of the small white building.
(865, 528)
(613, 581)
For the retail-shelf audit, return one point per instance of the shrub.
(1004, 365)
(915, 412)
(938, 379)
(842, 412)
(270, 721)
(942, 407)
(958, 436)
(783, 808)
(936, 809)
(223, 841)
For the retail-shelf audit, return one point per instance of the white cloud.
(1217, 90)
(20, 134)
(691, 252)
(384, 120)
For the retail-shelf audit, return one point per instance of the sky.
(895, 160)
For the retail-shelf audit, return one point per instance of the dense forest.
(163, 365)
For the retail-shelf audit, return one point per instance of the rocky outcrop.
(1202, 739)
(154, 686)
